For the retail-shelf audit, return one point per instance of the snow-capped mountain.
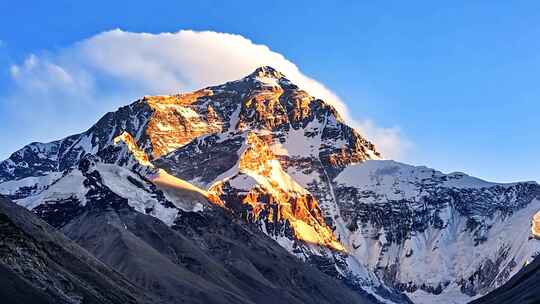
(284, 162)
(439, 237)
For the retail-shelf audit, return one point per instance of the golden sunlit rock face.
(535, 228)
(139, 155)
(264, 109)
(160, 177)
(262, 191)
(273, 196)
(176, 121)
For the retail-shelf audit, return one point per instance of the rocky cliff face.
(433, 235)
(260, 191)
(285, 163)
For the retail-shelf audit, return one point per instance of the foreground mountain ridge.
(286, 163)
(154, 263)
(521, 288)
(40, 265)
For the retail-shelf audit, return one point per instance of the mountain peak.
(267, 71)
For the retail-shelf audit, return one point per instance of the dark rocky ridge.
(203, 259)
(521, 288)
(40, 265)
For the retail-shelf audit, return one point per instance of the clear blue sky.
(460, 79)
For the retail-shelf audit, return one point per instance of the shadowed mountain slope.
(203, 258)
(521, 288)
(40, 265)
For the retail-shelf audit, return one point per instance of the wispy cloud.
(69, 88)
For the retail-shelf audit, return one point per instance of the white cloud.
(38, 75)
(109, 69)
(389, 141)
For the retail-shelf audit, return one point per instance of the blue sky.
(459, 80)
